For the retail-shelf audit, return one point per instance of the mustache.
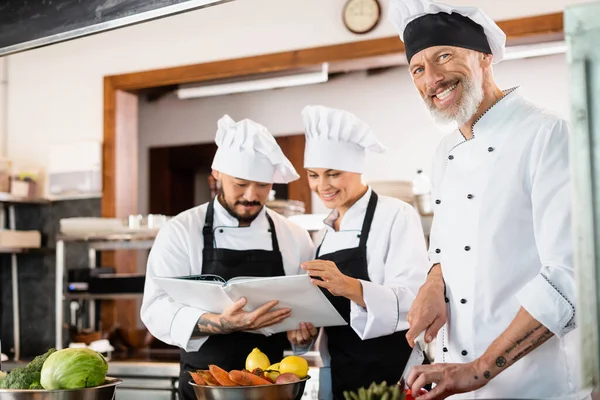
(247, 203)
(444, 85)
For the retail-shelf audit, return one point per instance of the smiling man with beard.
(233, 235)
(500, 295)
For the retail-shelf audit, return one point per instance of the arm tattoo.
(500, 362)
(205, 327)
(487, 375)
(534, 344)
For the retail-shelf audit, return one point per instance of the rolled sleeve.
(405, 266)
(550, 297)
(546, 303)
(182, 327)
(167, 320)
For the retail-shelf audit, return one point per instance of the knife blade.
(417, 356)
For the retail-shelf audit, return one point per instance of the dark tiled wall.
(36, 275)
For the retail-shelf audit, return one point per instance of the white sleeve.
(550, 296)
(167, 320)
(406, 266)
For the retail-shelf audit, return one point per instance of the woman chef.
(371, 261)
(230, 236)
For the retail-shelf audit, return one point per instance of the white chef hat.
(424, 23)
(247, 150)
(337, 139)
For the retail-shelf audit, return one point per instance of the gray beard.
(469, 104)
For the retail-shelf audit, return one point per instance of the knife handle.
(421, 340)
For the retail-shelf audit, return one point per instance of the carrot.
(197, 378)
(221, 376)
(208, 378)
(245, 378)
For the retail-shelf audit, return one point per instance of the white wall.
(387, 101)
(55, 93)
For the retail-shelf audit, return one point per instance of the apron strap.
(207, 230)
(366, 228)
(274, 240)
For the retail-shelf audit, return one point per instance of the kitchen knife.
(417, 356)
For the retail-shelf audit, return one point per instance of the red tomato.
(409, 394)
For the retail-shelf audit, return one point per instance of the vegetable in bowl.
(64, 369)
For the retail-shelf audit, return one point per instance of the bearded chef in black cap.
(500, 296)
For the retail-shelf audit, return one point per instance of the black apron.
(230, 351)
(356, 363)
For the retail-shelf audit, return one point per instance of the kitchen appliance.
(79, 278)
(102, 392)
(286, 391)
(117, 283)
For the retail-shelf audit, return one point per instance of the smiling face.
(241, 198)
(451, 81)
(336, 189)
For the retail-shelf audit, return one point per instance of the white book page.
(206, 295)
(307, 302)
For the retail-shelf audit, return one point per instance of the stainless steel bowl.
(102, 392)
(285, 391)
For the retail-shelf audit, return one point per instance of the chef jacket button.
(490, 149)
(438, 201)
(464, 352)
(220, 230)
(438, 251)
(467, 248)
(450, 157)
(447, 300)
(445, 349)
(463, 301)
(469, 196)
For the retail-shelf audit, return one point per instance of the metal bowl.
(284, 391)
(105, 391)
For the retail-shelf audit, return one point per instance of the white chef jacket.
(397, 267)
(177, 251)
(502, 234)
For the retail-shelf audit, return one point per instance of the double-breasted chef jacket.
(502, 234)
(271, 245)
(397, 265)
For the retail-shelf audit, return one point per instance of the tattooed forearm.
(522, 336)
(206, 326)
(521, 340)
(538, 341)
(213, 324)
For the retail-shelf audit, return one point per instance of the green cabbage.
(73, 369)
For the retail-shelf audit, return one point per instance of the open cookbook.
(213, 294)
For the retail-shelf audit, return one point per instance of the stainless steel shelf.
(93, 296)
(9, 198)
(23, 250)
(113, 241)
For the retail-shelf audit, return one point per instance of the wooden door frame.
(120, 146)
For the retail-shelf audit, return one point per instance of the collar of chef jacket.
(353, 219)
(222, 218)
(497, 113)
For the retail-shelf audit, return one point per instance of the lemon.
(294, 364)
(272, 372)
(257, 359)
